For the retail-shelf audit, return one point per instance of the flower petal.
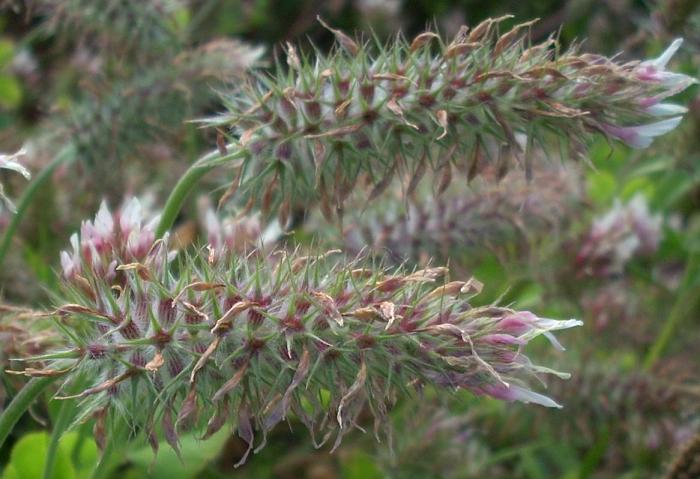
(662, 60)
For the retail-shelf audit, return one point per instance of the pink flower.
(98, 234)
(654, 71)
(502, 339)
(123, 235)
(227, 235)
(525, 326)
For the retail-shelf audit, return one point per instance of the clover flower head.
(488, 213)
(365, 112)
(204, 341)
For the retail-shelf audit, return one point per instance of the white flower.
(641, 136)
(666, 109)
(513, 392)
(70, 263)
(663, 59)
(128, 234)
(527, 326)
(621, 234)
(130, 217)
(104, 223)
(655, 71)
(10, 162)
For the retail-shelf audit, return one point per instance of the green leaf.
(28, 456)
(10, 91)
(608, 157)
(601, 187)
(182, 19)
(658, 164)
(532, 465)
(7, 52)
(672, 187)
(640, 184)
(196, 454)
(493, 274)
(360, 465)
(594, 455)
(528, 295)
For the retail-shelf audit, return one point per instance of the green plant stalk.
(687, 300)
(65, 415)
(21, 403)
(105, 463)
(67, 153)
(184, 186)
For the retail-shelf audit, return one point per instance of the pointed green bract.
(367, 113)
(219, 338)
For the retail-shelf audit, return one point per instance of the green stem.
(20, 403)
(177, 197)
(688, 299)
(114, 439)
(67, 153)
(185, 184)
(65, 415)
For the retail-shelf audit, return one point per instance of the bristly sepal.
(366, 113)
(193, 343)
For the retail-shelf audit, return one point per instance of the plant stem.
(177, 197)
(20, 403)
(66, 153)
(65, 414)
(105, 463)
(686, 301)
(185, 184)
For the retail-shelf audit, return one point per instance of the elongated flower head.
(211, 340)
(644, 413)
(431, 440)
(113, 122)
(141, 29)
(365, 113)
(462, 221)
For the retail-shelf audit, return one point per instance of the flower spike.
(261, 338)
(365, 114)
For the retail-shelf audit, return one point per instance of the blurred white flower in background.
(11, 162)
(625, 231)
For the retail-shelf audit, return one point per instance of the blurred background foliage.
(117, 81)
